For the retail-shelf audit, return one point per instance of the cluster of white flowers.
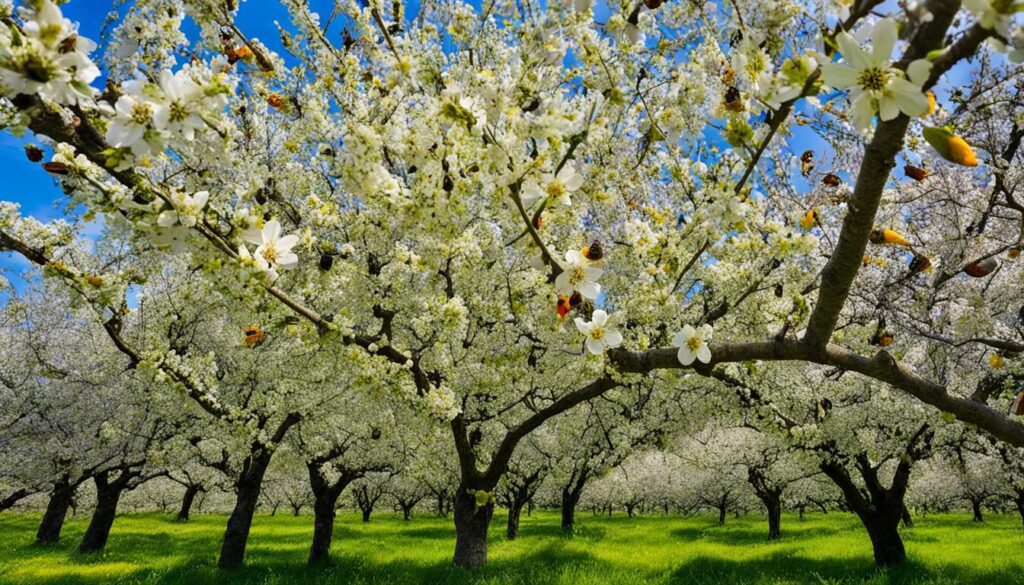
(578, 275)
(147, 115)
(556, 188)
(442, 403)
(45, 56)
(185, 209)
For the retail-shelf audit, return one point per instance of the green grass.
(152, 548)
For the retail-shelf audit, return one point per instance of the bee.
(779, 290)
(33, 152)
(1018, 404)
(275, 100)
(807, 162)
(594, 251)
(824, 408)
(254, 336)
(916, 173)
(920, 263)
(887, 236)
(882, 338)
(326, 261)
(56, 168)
(68, 44)
(562, 306)
(652, 4)
(733, 99)
(831, 180)
(981, 268)
(575, 299)
(809, 219)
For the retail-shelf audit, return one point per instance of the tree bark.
(571, 495)
(774, 505)
(186, 502)
(885, 539)
(721, 515)
(908, 520)
(471, 524)
(801, 509)
(247, 489)
(976, 509)
(56, 512)
(324, 504)
(514, 511)
(108, 494)
(1019, 500)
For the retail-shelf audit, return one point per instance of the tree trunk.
(296, 510)
(56, 512)
(324, 504)
(366, 513)
(976, 508)
(471, 523)
(908, 520)
(186, 502)
(721, 515)
(236, 536)
(774, 504)
(407, 512)
(801, 508)
(107, 497)
(629, 510)
(885, 539)
(568, 511)
(1019, 500)
(514, 512)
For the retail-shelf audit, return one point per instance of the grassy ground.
(825, 549)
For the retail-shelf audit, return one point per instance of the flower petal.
(883, 39)
(919, 71)
(613, 338)
(839, 76)
(704, 353)
(887, 108)
(908, 97)
(271, 231)
(590, 290)
(853, 54)
(686, 356)
(582, 325)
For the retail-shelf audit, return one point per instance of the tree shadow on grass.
(539, 567)
(748, 535)
(782, 568)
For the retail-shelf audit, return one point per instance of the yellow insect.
(254, 336)
(809, 219)
(887, 237)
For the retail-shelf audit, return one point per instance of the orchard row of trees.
(482, 231)
(82, 425)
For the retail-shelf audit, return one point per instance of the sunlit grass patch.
(833, 548)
